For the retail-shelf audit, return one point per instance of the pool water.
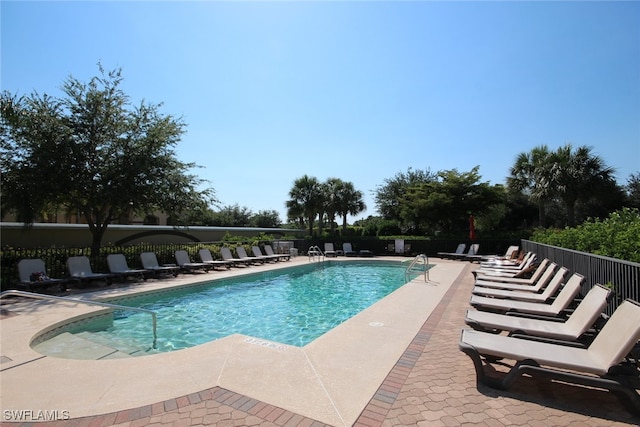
(292, 306)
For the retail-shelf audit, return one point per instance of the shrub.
(616, 236)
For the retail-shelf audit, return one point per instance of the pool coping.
(340, 371)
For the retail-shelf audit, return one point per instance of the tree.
(348, 201)
(266, 219)
(532, 174)
(332, 188)
(388, 196)
(232, 216)
(305, 200)
(578, 175)
(95, 153)
(446, 204)
(633, 190)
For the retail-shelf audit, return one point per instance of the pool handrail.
(425, 261)
(100, 304)
(315, 251)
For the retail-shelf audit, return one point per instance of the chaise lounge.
(150, 262)
(559, 304)
(33, 273)
(583, 318)
(185, 263)
(79, 268)
(605, 364)
(118, 265)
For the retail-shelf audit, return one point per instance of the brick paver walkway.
(433, 384)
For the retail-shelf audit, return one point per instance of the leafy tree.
(388, 196)
(446, 204)
(578, 175)
(232, 216)
(93, 152)
(532, 174)
(266, 219)
(305, 200)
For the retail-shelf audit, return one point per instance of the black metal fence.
(623, 276)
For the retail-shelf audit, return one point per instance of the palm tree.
(577, 175)
(349, 202)
(305, 200)
(332, 192)
(532, 173)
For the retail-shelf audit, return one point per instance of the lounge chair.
(554, 308)
(118, 265)
(581, 319)
(329, 250)
(33, 273)
(226, 255)
(473, 250)
(522, 270)
(601, 365)
(242, 254)
(449, 255)
(268, 258)
(546, 287)
(150, 263)
(510, 255)
(207, 258)
(269, 250)
(79, 269)
(185, 263)
(547, 293)
(348, 250)
(535, 281)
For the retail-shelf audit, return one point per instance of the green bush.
(616, 236)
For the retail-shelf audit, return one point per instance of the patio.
(431, 383)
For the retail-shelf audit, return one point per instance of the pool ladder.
(79, 301)
(315, 251)
(413, 265)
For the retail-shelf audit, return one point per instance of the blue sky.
(357, 90)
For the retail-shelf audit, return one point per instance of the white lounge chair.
(496, 281)
(580, 320)
(560, 303)
(604, 364)
(506, 271)
(536, 282)
(536, 293)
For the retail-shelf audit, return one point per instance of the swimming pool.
(292, 306)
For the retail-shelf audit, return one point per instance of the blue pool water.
(292, 306)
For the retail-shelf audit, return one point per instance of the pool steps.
(80, 346)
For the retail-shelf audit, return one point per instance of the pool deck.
(396, 363)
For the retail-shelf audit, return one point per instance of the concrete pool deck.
(396, 363)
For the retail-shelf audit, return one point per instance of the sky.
(357, 90)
